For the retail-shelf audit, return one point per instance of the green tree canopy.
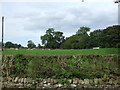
(111, 36)
(31, 44)
(83, 30)
(52, 39)
(39, 46)
(77, 41)
(96, 38)
(12, 45)
(106, 38)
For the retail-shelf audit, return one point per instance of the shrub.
(20, 65)
(80, 66)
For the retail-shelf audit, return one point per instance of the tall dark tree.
(9, 45)
(31, 44)
(111, 36)
(12, 45)
(83, 37)
(70, 42)
(106, 38)
(83, 30)
(96, 38)
(52, 39)
(39, 46)
(79, 40)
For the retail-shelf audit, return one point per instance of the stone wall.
(60, 83)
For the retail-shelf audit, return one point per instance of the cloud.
(71, 17)
(54, 1)
(26, 21)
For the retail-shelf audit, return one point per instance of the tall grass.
(64, 66)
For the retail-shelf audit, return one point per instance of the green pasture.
(102, 51)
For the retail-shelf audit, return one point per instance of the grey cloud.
(70, 18)
(35, 18)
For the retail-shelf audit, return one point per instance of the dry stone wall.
(55, 83)
(39, 83)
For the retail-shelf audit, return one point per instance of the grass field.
(102, 51)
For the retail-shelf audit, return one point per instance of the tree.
(111, 36)
(9, 45)
(96, 38)
(70, 42)
(39, 46)
(52, 39)
(31, 44)
(106, 38)
(83, 37)
(77, 41)
(12, 45)
(83, 30)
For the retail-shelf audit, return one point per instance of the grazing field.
(102, 51)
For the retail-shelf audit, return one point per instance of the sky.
(28, 20)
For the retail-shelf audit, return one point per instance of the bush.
(20, 65)
(118, 45)
(82, 66)
(63, 81)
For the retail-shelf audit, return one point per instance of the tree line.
(103, 38)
